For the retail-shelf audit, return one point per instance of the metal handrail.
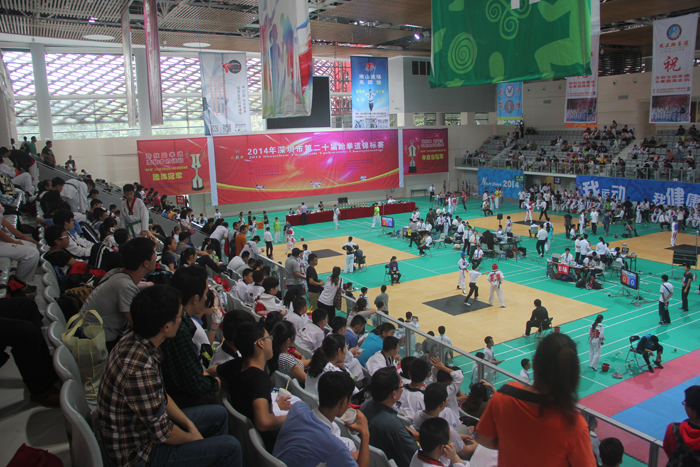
(655, 445)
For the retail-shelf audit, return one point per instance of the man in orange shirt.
(241, 239)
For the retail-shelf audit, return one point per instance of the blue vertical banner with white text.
(370, 92)
(508, 181)
(656, 192)
(510, 103)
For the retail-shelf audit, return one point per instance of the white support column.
(144, 108)
(41, 92)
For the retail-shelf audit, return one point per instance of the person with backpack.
(682, 440)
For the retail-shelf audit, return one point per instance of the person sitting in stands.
(139, 423)
(386, 431)
(184, 379)
(311, 335)
(373, 343)
(303, 424)
(385, 357)
(249, 385)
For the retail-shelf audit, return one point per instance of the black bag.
(581, 284)
(89, 232)
(159, 277)
(102, 257)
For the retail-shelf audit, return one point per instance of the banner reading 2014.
(510, 103)
(495, 41)
(370, 92)
(672, 70)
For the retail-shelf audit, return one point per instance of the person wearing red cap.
(496, 277)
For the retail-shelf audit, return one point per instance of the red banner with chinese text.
(425, 151)
(174, 166)
(286, 165)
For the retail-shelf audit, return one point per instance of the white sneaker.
(467, 303)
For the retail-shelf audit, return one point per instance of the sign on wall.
(174, 166)
(225, 93)
(672, 70)
(370, 92)
(504, 180)
(285, 165)
(656, 192)
(510, 103)
(425, 151)
(484, 42)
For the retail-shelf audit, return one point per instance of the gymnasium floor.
(428, 290)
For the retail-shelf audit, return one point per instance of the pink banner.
(286, 165)
(155, 92)
(425, 151)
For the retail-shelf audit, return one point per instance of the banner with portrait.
(672, 69)
(510, 103)
(174, 166)
(582, 93)
(287, 64)
(225, 93)
(370, 92)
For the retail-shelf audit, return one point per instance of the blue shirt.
(371, 345)
(351, 338)
(300, 429)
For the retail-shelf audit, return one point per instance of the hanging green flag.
(494, 41)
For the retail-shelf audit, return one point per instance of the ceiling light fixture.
(417, 36)
(196, 44)
(98, 37)
(92, 19)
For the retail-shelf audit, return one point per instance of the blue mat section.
(653, 415)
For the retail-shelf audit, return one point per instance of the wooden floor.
(376, 254)
(467, 330)
(653, 247)
(491, 223)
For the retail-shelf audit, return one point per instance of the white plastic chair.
(263, 458)
(66, 366)
(54, 313)
(84, 448)
(56, 329)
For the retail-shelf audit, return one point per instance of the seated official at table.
(478, 256)
(539, 314)
(567, 257)
(590, 265)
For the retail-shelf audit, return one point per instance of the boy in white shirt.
(311, 336)
(298, 315)
(451, 379)
(489, 356)
(385, 357)
(525, 363)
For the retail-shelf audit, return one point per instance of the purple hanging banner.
(155, 96)
(128, 69)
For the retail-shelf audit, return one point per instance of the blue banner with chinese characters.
(510, 103)
(656, 192)
(508, 181)
(370, 92)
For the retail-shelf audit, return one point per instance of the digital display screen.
(388, 222)
(630, 279)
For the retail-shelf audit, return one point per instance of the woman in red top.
(539, 425)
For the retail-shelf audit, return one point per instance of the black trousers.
(568, 230)
(268, 249)
(543, 213)
(472, 289)
(330, 309)
(414, 239)
(594, 226)
(540, 246)
(20, 328)
(529, 325)
(684, 297)
(303, 218)
(645, 355)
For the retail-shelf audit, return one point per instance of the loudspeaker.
(499, 217)
(342, 201)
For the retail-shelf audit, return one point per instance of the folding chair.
(362, 263)
(632, 353)
(440, 241)
(387, 276)
(545, 329)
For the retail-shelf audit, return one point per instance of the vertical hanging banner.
(510, 103)
(582, 93)
(225, 93)
(672, 69)
(496, 41)
(425, 151)
(128, 69)
(155, 90)
(287, 63)
(370, 92)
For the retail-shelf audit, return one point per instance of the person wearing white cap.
(496, 277)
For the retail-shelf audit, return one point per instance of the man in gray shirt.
(112, 298)
(384, 298)
(295, 278)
